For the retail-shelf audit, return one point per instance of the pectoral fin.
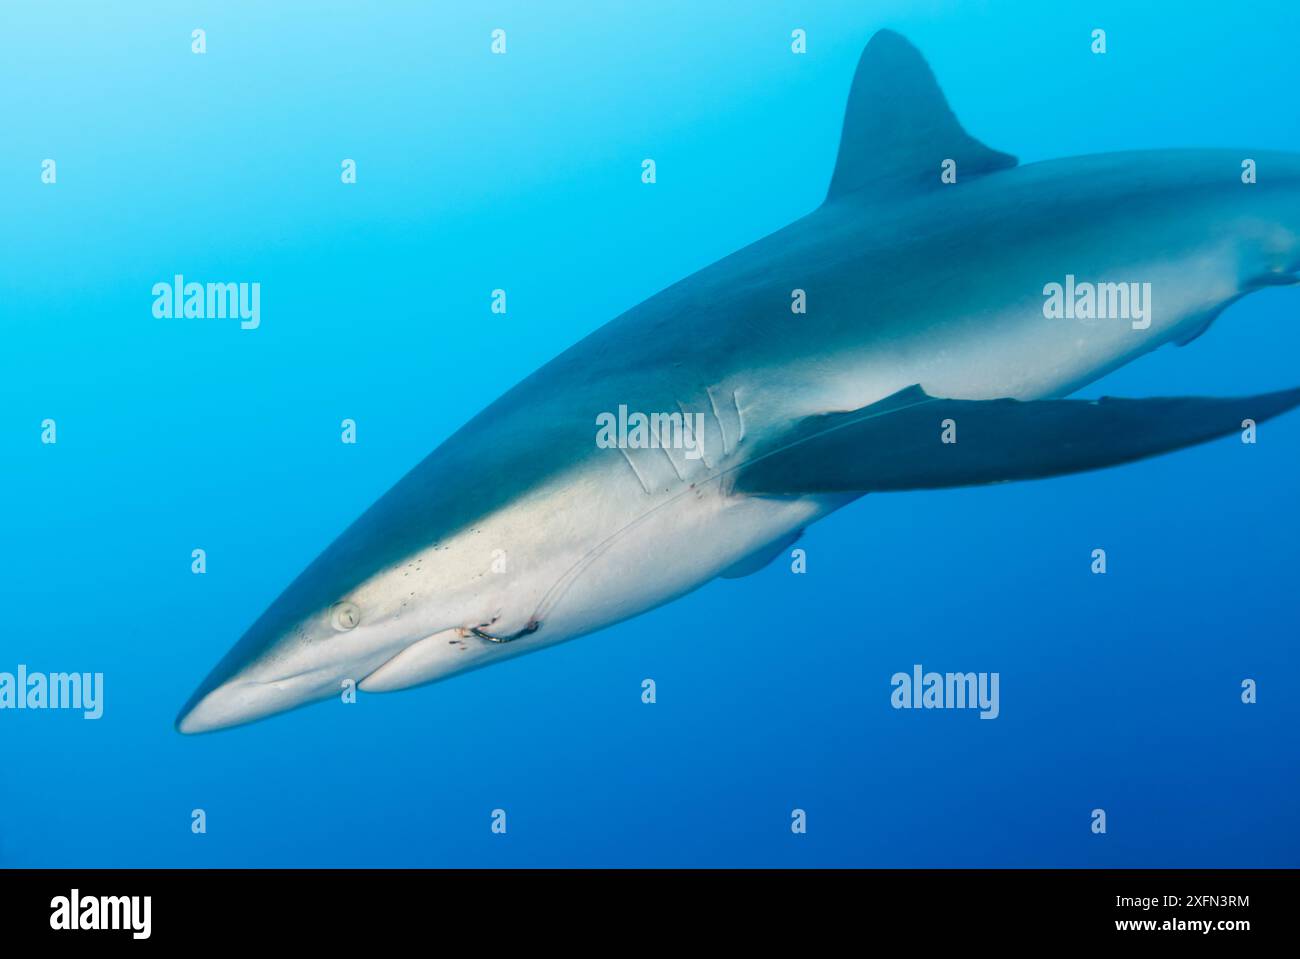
(898, 443)
(758, 559)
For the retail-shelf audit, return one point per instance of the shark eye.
(344, 616)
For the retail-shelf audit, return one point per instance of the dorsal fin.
(898, 128)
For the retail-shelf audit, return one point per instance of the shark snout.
(258, 680)
(229, 704)
(242, 699)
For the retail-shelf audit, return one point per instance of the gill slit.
(563, 584)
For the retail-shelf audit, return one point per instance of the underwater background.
(478, 171)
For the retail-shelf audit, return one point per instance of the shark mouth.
(440, 654)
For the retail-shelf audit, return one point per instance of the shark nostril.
(344, 616)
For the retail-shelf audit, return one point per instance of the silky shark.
(926, 356)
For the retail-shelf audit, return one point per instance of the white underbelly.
(670, 551)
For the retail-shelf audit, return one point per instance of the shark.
(923, 328)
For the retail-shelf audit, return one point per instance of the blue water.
(522, 171)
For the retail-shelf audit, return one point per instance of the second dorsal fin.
(898, 127)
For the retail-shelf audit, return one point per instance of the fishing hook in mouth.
(532, 627)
